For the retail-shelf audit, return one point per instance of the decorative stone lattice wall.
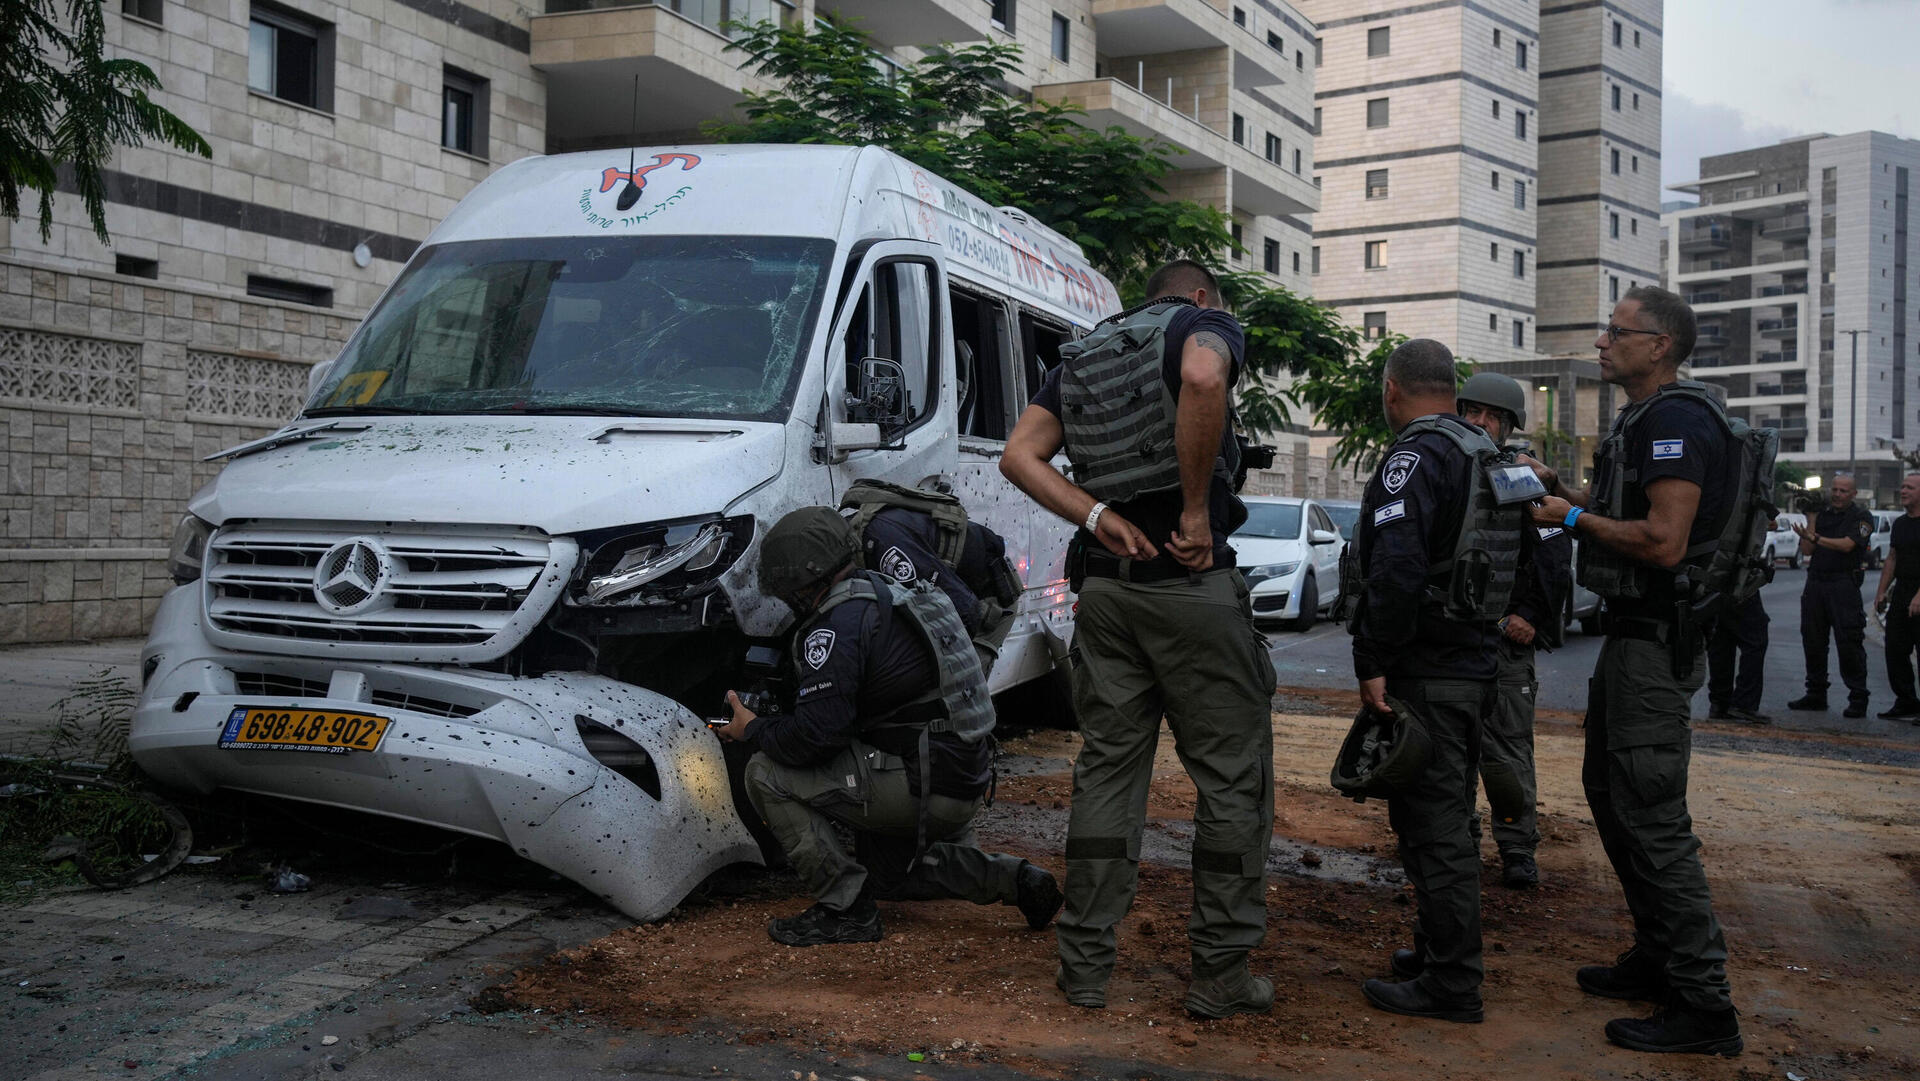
(111, 391)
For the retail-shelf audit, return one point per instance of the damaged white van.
(497, 571)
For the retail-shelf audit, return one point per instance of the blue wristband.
(1573, 515)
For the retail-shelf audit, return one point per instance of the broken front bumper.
(610, 785)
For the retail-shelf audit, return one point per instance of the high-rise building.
(1599, 164)
(343, 133)
(1798, 262)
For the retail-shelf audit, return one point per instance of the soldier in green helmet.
(888, 735)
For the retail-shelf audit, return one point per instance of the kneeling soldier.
(888, 736)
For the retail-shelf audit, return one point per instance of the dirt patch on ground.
(1812, 863)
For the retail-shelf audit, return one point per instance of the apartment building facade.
(1798, 261)
(1599, 204)
(343, 130)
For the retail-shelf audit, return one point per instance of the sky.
(1744, 73)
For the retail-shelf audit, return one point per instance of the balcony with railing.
(593, 51)
(1267, 48)
(1698, 237)
(894, 23)
(1786, 227)
(1778, 328)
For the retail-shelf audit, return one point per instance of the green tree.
(64, 104)
(947, 114)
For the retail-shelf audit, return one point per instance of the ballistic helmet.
(1498, 391)
(803, 550)
(1383, 752)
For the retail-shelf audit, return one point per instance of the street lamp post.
(1853, 404)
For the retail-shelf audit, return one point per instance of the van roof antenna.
(630, 194)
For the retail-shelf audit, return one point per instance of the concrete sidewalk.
(34, 678)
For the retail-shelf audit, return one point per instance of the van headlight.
(1267, 571)
(661, 563)
(189, 552)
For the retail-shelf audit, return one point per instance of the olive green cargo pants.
(1185, 650)
(1506, 754)
(1639, 743)
(866, 790)
(1430, 821)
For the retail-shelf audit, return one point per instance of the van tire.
(1046, 702)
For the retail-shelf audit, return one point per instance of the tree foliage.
(948, 113)
(64, 103)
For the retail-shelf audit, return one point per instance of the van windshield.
(689, 326)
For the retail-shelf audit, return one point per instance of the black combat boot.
(1092, 997)
(1681, 1029)
(1238, 991)
(1635, 975)
(1856, 709)
(1809, 701)
(821, 926)
(1412, 1000)
(1519, 872)
(1407, 964)
(1037, 895)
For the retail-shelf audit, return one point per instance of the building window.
(1616, 161)
(1316, 120)
(1636, 163)
(290, 57)
(1379, 41)
(1239, 16)
(1636, 39)
(1496, 108)
(1296, 161)
(1618, 30)
(1519, 334)
(463, 112)
(1273, 148)
(1274, 43)
(1296, 262)
(1270, 257)
(1496, 180)
(1519, 194)
(1377, 112)
(259, 285)
(1616, 99)
(1376, 183)
(150, 10)
(1613, 226)
(1493, 250)
(1316, 258)
(1237, 233)
(1061, 28)
(1299, 60)
(1493, 321)
(1319, 52)
(1496, 37)
(135, 267)
(1519, 263)
(1376, 254)
(1316, 182)
(1636, 101)
(1375, 324)
(1000, 13)
(1520, 55)
(1520, 123)
(1633, 226)
(1239, 129)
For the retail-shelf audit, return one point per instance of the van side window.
(984, 384)
(1040, 339)
(895, 320)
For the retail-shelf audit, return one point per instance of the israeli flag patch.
(1391, 512)
(1550, 533)
(1668, 449)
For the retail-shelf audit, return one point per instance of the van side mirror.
(317, 375)
(881, 397)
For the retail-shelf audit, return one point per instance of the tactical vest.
(1117, 414)
(960, 703)
(869, 497)
(1476, 585)
(1730, 565)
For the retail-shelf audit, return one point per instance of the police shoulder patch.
(1399, 469)
(895, 565)
(1669, 449)
(1393, 511)
(818, 646)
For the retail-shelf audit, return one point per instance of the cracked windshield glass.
(635, 326)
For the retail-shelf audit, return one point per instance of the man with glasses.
(1661, 488)
(1837, 539)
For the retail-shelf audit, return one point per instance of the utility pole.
(1853, 406)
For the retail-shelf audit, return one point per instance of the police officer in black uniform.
(1737, 659)
(1837, 539)
(1661, 488)
(1899, 595)
(849, 754)
(1443, 669)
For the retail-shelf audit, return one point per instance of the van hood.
(558, 474)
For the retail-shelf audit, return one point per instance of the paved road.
(1321, 658)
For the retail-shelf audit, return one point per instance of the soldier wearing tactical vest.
(1661, 489)
(1164, 628)
(1497, 405)
(1431, 572)
(1837, 541)
(888, 736)
(913, 535)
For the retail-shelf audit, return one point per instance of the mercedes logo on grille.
(351, 576)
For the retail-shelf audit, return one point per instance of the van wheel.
(1046, 702)
(1309, 605)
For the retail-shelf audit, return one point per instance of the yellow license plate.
(269, 728)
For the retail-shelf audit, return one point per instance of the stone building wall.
(112, 390)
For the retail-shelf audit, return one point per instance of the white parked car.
(1784, 543)
(1882, 536)
(1289, 551)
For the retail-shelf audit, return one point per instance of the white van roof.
(838, 192)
